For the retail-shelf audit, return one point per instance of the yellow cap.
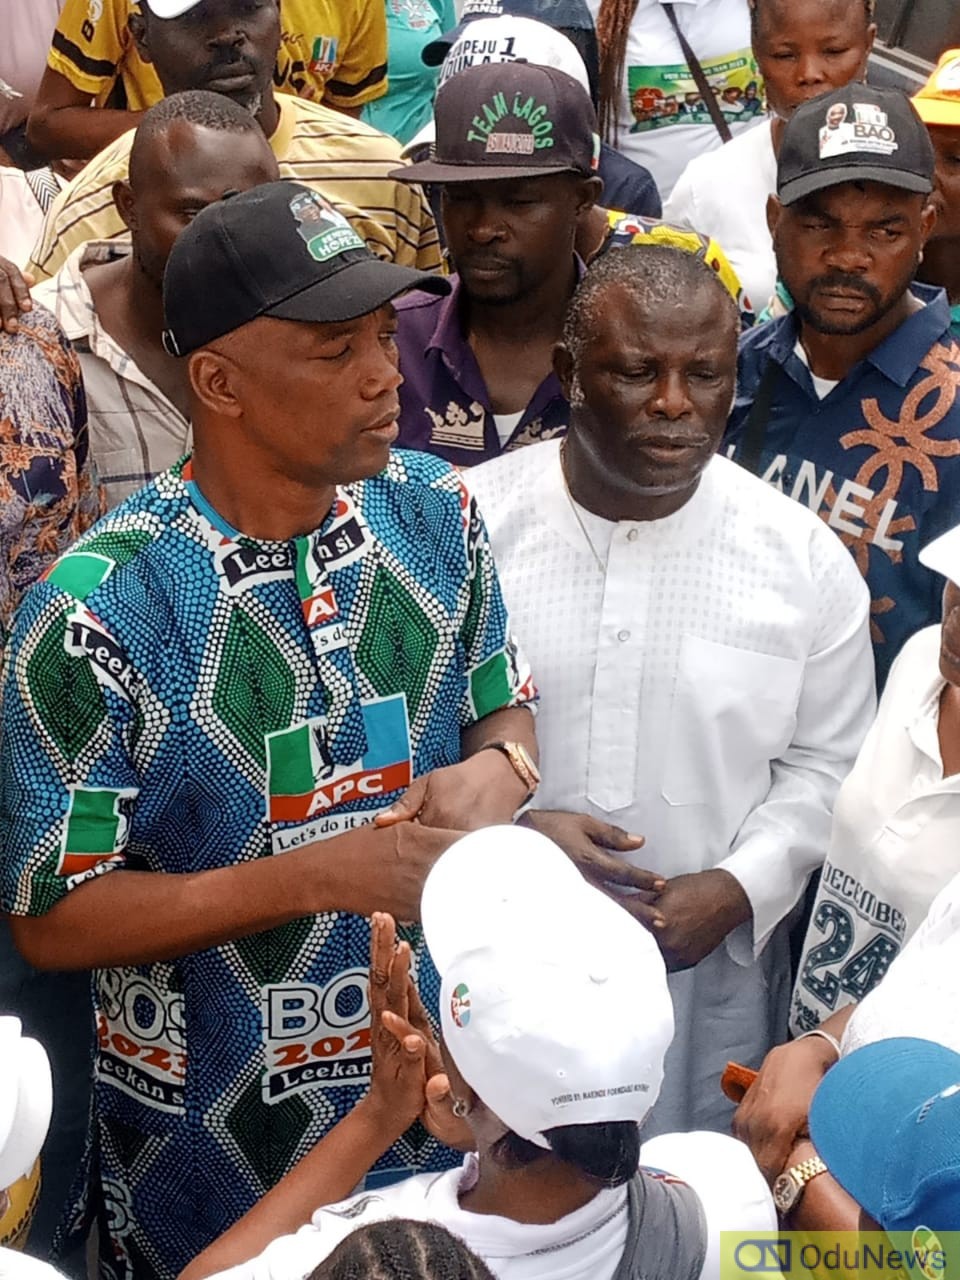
(938, 102)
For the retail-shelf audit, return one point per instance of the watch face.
(786, 1192)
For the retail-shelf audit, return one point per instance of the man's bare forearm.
(139, 917)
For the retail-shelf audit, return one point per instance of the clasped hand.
(689, 915)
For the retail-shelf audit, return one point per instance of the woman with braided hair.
(651, 107)
(803, 48)
(551, 1058)
(401, 1249)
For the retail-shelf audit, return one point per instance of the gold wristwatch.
(789, 1187)
(522, 763)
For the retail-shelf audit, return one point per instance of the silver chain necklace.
(601, 564)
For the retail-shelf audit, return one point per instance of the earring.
(460, 1108)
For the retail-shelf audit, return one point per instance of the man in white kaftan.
(701, 648)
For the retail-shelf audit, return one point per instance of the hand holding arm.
(773, 1114)
(483, 790)
(592, 844)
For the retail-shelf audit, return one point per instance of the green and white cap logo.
(325, 232)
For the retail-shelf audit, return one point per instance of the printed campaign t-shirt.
(408, 103)
(182, 698)
(335, 50)
(894, 844)
(663, 120)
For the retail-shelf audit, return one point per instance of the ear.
(123, 198)
(138, 29)
(563, 367)
(871, 36)
(774, 214)
(928, 218)
(589, 191)
(211, 381)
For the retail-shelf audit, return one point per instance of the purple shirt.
(444, 402)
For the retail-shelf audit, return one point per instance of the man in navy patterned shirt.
(850, 403)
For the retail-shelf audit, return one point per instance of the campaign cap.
(938, 102)
(573, 15)
(276, 250)
(171, 8)
(855, 134)
(554, 1001)
(509, 120)
(26, 1101)
(505, 39)
(886, 1121)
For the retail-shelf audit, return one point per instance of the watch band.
(789, 1187)
(807, 1169)
(520, 761)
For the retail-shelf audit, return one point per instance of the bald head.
(192, 110)
(660, 277)
(190, 150)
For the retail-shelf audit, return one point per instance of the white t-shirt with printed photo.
(663, 121)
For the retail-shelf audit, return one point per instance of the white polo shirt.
(894, 845)
(663, 125)
(724, 194)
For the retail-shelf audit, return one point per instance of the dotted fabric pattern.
(165, 678)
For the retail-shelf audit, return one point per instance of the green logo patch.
(325, 232)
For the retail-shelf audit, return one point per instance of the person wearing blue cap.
(886, 1122)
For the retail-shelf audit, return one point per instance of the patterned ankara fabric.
(182, 698)
(627, 229)
(878, 458)
(48, 495)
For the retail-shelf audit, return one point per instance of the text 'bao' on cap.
(854, 134)
(277, 250)
(509, 120)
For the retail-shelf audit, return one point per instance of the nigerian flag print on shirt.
(181, 698)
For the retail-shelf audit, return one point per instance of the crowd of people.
(468, 472)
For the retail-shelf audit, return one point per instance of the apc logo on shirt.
(324, 59)
(305, 782)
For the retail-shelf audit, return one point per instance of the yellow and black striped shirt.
(343, 159)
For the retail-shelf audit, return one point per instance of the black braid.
(401, 1249)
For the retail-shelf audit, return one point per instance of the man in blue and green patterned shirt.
(215, 702)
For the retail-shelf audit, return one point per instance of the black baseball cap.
(563, 14)
(855, 134)
(276, 250)
(509, 120)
